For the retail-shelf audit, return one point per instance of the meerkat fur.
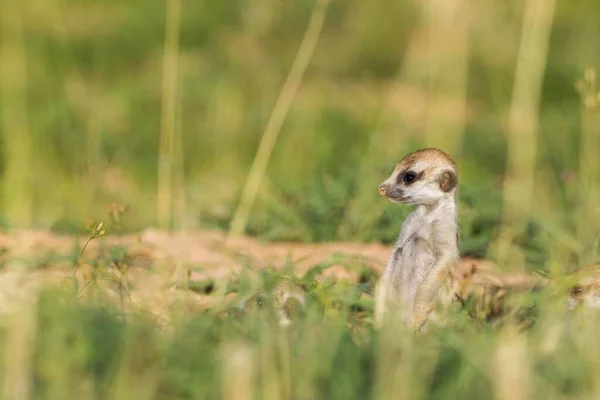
(416, 277)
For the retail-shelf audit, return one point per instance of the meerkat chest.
(412, 257)
(417, 228)
(415, 250)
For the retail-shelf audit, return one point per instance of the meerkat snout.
(383, 189)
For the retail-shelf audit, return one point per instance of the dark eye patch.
(260, 301)
(576, 291)
(409, 177)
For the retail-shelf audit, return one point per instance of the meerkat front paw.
(420, 316)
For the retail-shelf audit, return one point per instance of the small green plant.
(111, 264)
(96, 231)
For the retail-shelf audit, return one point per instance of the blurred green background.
(83, 96)
(163, 104)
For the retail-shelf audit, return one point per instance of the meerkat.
(290, 300)
(586, 291)
(417, 270)
(286, 300)
(488, 293)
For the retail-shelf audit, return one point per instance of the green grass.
(84, 349)
(93, 104)
(80, 120)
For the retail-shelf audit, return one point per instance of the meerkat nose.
(383, 189)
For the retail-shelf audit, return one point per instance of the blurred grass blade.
(448, 26)
(523, 129)
(588, 220)
(20, 344)
(282, 106)
(170, 77)
(237, 371)
(395, 372)
(19, 163)
(512, 368)
(438, 70)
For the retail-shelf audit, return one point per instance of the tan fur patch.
(431, 155)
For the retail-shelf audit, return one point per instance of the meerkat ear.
(448, 180)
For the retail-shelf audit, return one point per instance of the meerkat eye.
(409, 177)
(260, 302)
(576, 291)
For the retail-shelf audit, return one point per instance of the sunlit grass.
(172, 107)
(84, 348)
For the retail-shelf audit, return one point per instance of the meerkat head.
(422, 177)
(586, 291)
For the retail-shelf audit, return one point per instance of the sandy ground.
(158, 262)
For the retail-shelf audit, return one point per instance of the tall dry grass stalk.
(167, 143)
(588, 221)
(282, 106)
(442, 78)
(285, 362)
(171, 193)
(523, 130)
(237, 371)
(448, 31)
(19, 172)
(19, 349)
(180, 207)
(271, 377)
(512, 368)
(395, 373)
